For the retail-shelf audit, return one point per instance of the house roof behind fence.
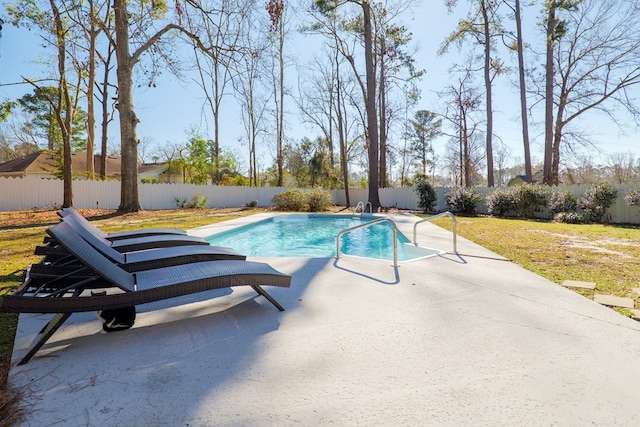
(18, 165)
(43, 164)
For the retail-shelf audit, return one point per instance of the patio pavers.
(578, 284)
(613, 301)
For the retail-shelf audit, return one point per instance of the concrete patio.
(467, 339)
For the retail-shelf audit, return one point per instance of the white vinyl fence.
(37, 193)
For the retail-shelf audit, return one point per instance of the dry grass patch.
(11, 411)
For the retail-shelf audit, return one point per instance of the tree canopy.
(360, 99)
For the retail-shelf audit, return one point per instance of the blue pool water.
(314, 236)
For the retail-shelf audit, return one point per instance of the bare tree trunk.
(555, 163)
(372, 125)
(467, 160)
(488, 92)
(523, 95)
(280, 154)
(344, 160)
(129, 197)
(214, 103)
(64, 102)
(383, 120)
(91, 117)
(105, 115)
(557, 139)
(461, 156)
(331, 103)
(548, 118)
(253, 166)
(216, 126)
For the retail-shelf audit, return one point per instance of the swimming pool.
(314, 236)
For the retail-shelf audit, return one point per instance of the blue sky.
(169, 110)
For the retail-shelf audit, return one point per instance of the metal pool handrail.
(431, 218)
(367, 224)
(364, 208)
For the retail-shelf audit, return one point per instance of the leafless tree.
(135, 28)
(584, 172)
(463, 101)
(91, 20)
(394, 65)
(277, 14)
(325, 101)
(251, 86)
(622, 168)
(518, 46)
(329, 7)
(220, 24)
(502, 158)
(50, 20)
(597, 61)
(482, 25)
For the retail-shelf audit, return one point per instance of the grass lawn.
(606, 255)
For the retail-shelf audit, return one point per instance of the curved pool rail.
(363, 208)
(431, 218)
(367, 224)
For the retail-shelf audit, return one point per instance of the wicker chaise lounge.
(72, 293)
(71, 212)
(153, 257)
(130, 241)
(52, 269)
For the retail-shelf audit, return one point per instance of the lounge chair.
(72, 293)
(131, 244)
(71, 212)
(154, 257)
(64, 265)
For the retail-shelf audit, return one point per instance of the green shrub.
(252, 204)
(597, 199)
(180, 202)
(427, 196)
(571, 217)
(500, 203)
(562, 201)
(523, 201)
(463, 200)
(198, 201)
(291, 200)
(295, 199)
(529, 199)
(318, 200)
